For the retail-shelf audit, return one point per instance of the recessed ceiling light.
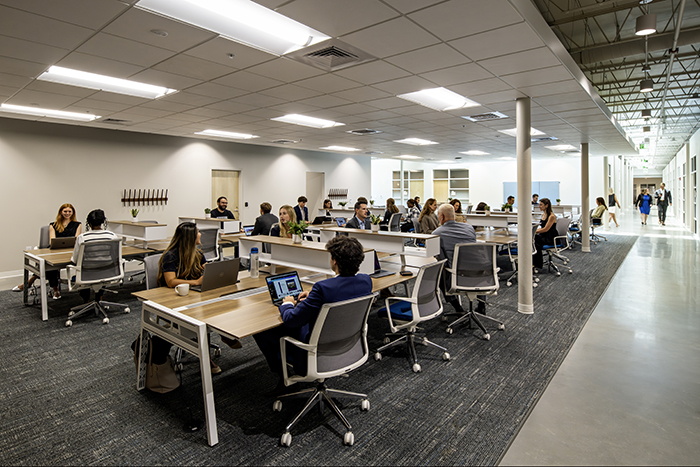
(340, 148)
(505, 158)
(513, 132)
(416, 141)
(439, 99)
(446, 162)
(561, 147)
(18, 109)
(475, 152)
(242, 21)
(225, 134)
(303, 120)
(407, 156)
(159, 32)
(57, 74)
(486, 117)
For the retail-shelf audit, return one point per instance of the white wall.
(45, 165)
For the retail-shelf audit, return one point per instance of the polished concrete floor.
(628, 393)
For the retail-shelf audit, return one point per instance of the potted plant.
(297, 230)
(342, 204)
(558, 202)
(487, 210)
(371, 202)
(375, 220)
(134, 215)
(507, 207)
(207, 213)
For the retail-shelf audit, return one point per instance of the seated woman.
(459, 216)
(546, 232)
(428, 219)
(413, 213)
(327, 206)
(286, 215)
(299, 316)
(599, 211)
(65, 225)
(481, 207)
(390, 210)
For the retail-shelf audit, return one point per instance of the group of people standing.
(645, 201)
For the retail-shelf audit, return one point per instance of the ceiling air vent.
(330, 55)
(373, 153)
(115, 121)
(365, 132)
(284, 141)
(543, 138)
(486, 117)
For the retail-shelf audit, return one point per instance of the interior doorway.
(226, 183)
(315, 192)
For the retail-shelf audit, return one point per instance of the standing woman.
(65, 225)
(546, 232)
(390, 210)
(286, 215)
(459, 217)
(428, 219)
(612, 202)
(644, 205)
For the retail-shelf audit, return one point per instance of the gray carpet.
(68, 397)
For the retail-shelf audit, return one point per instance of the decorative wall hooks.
(338, 193)
(144, 197)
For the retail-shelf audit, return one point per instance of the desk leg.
(25, 291)
(44, 292)
(142, 368)
(403, 261)
(207, 386)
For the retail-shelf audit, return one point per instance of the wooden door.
(226, 183)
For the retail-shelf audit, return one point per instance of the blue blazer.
(297, 211)
(335, 289)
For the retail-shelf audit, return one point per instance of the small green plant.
(558, 200)
(506, 207)
(375, 219)
(134, 212)
(297, 228)
(342, 203)
(371, 202)
(207, 211)
(487, 208)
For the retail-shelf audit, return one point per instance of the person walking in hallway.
(644, 201)
(663, 201)
(612, 202)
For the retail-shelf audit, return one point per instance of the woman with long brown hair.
(182, 262)
(546, 232)
(282, 229)
(428, 219)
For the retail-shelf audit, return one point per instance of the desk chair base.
(514, 276)
(179, 366)
(96, 306)
(409, 336)
(318, 394)
(470, 317)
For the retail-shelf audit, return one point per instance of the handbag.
(160, 378)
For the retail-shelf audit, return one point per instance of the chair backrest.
(402, 209)
(276, 224)
(425, 291)
(469, 208)
(44, 237)
(151, 264)
(416, 225)
(210, 244)
(474, 267)
(563, 226)
(395, 222)
(340, 337)
(99, 261)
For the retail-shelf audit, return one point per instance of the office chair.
(474, 272)
(561, 243)
(338, 345)
(141, 273)
(596, 222)
(575, 232)
(512, 253)
(408, 312)
(99, 264)
(210, 244)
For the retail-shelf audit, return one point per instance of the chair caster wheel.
(71, 313)
(534, 284)
(444, 318)
(277, 407)
(286, 440)
(537, 279)
(377, 356)
(446, 357)
(386, 340)
(558, 274)
(105, 321)
(502, 327)
(508, 284)
(179, 367)
(449, 330)
(487, 337)
(131, 279)
(127, 310)
(570, 271)
(69, 323)
(217, 352)
(349, 439)
(416, 368)
(364, 405)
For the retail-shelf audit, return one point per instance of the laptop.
(283, 285)
(340, 221)
(62, 242)
(248, 229)
(378, 271)
(319, 220)
(219, 274)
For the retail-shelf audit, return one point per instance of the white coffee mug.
(182, 289)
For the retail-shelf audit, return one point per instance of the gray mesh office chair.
(512, 252)
(474, 272)
(141, 273)
(99, 264)
(424, 304)
(338, 345)
(210, 244)
(596, 223)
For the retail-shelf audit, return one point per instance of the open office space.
(616, 383)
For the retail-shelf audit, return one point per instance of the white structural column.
(606, 185)
(523, 149)
(585, 202)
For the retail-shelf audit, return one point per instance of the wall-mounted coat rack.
(144, 197)
(338, 193)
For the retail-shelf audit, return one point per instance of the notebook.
(340, 221)
(248, 229)
(219, 274)
(378, 271)
(62, 242)
(283, 285)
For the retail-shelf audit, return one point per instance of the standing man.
(361, 219)
(220, 211)
(301, 210)
(663, 201)
(264, 223)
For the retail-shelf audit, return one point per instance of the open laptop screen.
(282, 285)
(248, 229)
(340, 221)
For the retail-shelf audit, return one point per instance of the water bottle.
(254, 265)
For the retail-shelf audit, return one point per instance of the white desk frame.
(140, 231)
(38, 266)
(349, 213)
(498, 221)
(226, 226)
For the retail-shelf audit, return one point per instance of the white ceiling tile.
(218, 51)
(404, 85)
(352, 109)
(248, 81)
(537, 77)
(55, 88)
(457, 74)
(327, 83)
(429, 58)
(372, 72)
(209, 113)
(21, 49)
(292, 108)
(216, 90)
(502, 96)
(580, 95)
(477, 88)
(407, 6)
(193, 67)
(99, 65)
(13, 66)
(362, 94)
(551, 88)
(166, 105)
(520, 61)
(148, 112)
(44, 100)
(502, 41)
(35, 28)
(324, 101)
(389, 103)
(393, 37)
(258, 100)
(337, 17)
(161, 78)
(230, 106)
(290, 92)
(6, 91)
(285, 69)
(123, 50)
(14, 81)
(92, 14)
(98, 106)
(118, 98)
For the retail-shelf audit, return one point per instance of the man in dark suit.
(301, 210)
(299, 316)
(264, 223)
(663, 201)
(361, 219)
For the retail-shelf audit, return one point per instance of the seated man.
(361, 218)
(220, 211)
(510, 202)
(299, 317)
(264, 223)
(453, 233)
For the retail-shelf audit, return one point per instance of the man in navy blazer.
(302, 216)
(361, 219)
(300, 316)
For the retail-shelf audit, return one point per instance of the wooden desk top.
(497, 237)
(213, 219)
(383, 233)
(309, 245)
(61, 257)
(138, 224)
(232, 237)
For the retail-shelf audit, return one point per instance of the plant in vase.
(558, 201)
(134, 215)
(207, 213)
(342, 204)
(371, 202)
(374, 220)
(297, 230)
(487, 210)
(507, 207)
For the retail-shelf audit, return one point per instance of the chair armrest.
(388, 308)
(283, 351)
(70, 271)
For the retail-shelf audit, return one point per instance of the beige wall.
(45, 165)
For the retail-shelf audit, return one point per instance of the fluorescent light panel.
(83, 79)
(225, 134)
(242, 21)
(513, 132)
(18, 109)
(439, 99)
(407, 156)
(475, 152)
(340, 148)
(303, 120)
(561, 147)
(416, 141)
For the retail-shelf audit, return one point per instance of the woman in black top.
(65, 225)
(390, 210)
(546, 233)
(182, 262)
(328, 205)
